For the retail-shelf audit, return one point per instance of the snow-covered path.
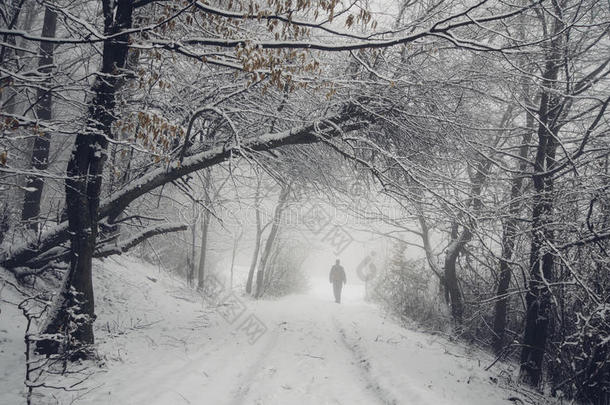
(163, 345)
(303, 357)
(313, 351)
(306, 355)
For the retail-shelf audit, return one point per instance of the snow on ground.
(163, 344)
(12, 358)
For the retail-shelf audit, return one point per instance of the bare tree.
(40, 150)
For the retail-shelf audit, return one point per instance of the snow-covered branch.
(110, 249)
(117, 202)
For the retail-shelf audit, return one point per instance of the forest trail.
(161, 344)
(312, 350)
(304, 356)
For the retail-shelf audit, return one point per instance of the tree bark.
(425, 236)
(257, 240)
(83, 185)
(538, 298)
(205, 227)
(9, 43)
(233, 254)
(271, 239)
(9, 96)
(40, 150)
(509, 235)
(459, 241)
(191, 261)
(450, 274)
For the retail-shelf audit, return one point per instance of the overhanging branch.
(117, 202)
(110, 249)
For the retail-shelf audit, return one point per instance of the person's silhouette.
(338, 279)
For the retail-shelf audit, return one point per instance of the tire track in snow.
(363, 365)
(308, 364)
(255, 368)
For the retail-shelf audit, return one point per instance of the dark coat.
(337, 275)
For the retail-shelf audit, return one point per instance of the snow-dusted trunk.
(18, 15)
(205, 227)
(509, 236)
(260, 274)
(40, 150)
(425, 236)
(257, 248)
(205, 230)
(452, 286)
(191, 260)
(22, 16)
(458, 243)
(84, 180)
(257, 240)
(538, 298)
(233, 254)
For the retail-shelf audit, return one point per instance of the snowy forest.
(175, 172)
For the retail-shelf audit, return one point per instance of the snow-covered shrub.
(579, 358)
(285, 279)
(284, 274)
(406, 288)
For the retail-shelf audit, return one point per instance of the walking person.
(337, 279)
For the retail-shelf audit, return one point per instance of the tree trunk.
(538, 298)
(509, 235)
(40, 150)
(450, 274)
(9, 94)
(271, 239)
(7, 52)
(257, 241)
(459, 241)
(425, 236)
(191, 260)
(205, 226)
(235, 246)
(257, 248)
(84, 180)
